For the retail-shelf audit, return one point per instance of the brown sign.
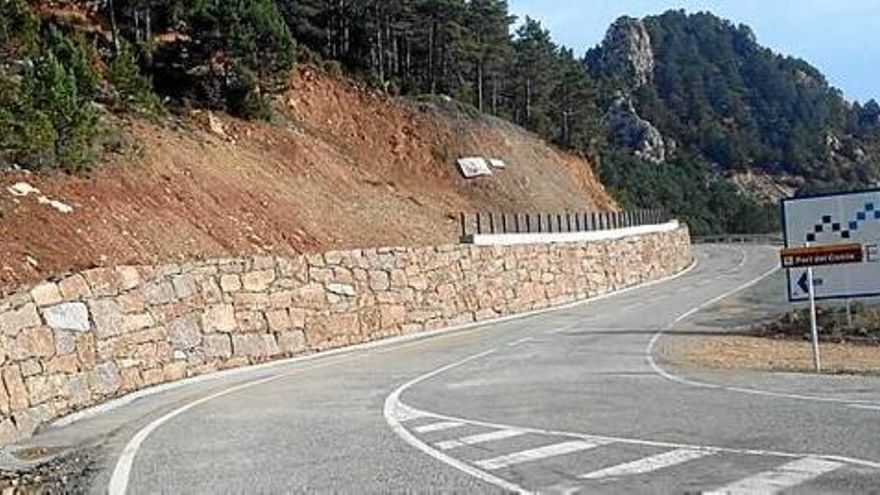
(822, 255)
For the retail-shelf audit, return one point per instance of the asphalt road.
(566, 401)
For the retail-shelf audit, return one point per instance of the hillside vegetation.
(684, 112)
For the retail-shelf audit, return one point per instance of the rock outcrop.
(629, 130)
(625, 53)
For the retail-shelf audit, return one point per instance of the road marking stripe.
(536, 454)
(786, 476)
(648, 464)
(442, 425)
(479, 438)
(865, 407)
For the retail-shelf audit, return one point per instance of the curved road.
(566, 401)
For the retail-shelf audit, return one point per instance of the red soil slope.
(343, 168)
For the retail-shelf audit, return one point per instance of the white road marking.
(479, 438)
(536, 454)
(865, 406)
(786, 476)
(648, 464)
(441, 426)
(520, 341)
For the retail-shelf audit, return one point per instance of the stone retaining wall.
(91, 336)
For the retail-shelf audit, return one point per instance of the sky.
(840, 37)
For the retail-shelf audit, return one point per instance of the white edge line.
(391, 341)
(121, 472)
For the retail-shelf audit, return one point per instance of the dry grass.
(757, 353)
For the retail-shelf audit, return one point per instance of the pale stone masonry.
(88, 337)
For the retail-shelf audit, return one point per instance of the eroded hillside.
(342, 167)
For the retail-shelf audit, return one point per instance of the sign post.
(814, 328)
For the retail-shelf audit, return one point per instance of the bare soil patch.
(759, 353)
(341, 167)
(783, 344)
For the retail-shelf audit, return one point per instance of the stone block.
(251, 301)
(379, 280)
(370, 320)
(184, 286)
(281, 299)
(18, 394)
(8, 434)
(340, 289)
(248, 345)
(297, 317)
(270, 345)
(185, 332)
(217, 346)
(258, 281)
(30, 368)
(230, 283)
(392, 316)
(108, 317)
(74, 288)
(219, 318)
(157, 293)
(128, 277)
(86, 351)
(46, 294)
(62, 364)
(153, 376)
(311, 296)
(137, 322)
(292, 343)
(4, 400)
(33, 342)
(174, 371)
(130, 379)
(132, 302)
(68, 316)
(103, 281)
(250, 321)
(12, 322)
(39, 390)
(278, 320)
(104, 379)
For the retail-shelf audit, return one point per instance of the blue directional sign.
(834, 220)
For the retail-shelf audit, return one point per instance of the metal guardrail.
(771, 239)
(528, 223)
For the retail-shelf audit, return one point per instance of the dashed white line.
(440, 426)
(786, 476)
(479, 438)
(520, 341)
(539, 453)
(648, 464)
(865, 407)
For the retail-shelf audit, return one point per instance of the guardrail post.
(516, 222)
(528, 223)
(577, 222)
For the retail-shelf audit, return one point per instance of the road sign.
(822, 255)
(821, 222)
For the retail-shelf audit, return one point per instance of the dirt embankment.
(342, 167)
